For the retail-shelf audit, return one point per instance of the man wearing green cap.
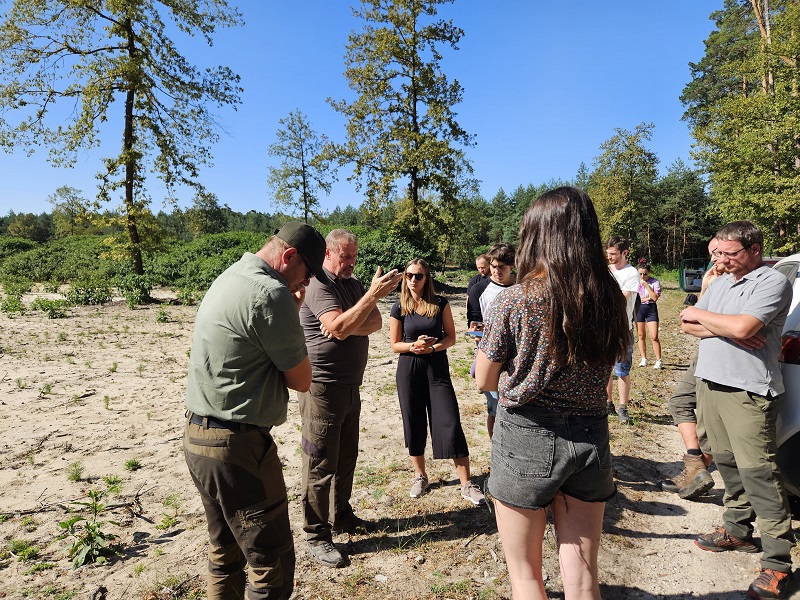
(248, 349)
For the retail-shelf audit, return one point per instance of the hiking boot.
(643, 362)
(658, 364)
(693, 481)
(326, 553)
(612, 412)
(419, 486)
(721, 541)
(622, 415)
(770, 584)
(355, 524)
(473, 493)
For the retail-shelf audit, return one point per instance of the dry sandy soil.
(104, 387)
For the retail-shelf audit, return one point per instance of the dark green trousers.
(741, 429)
(239, 477)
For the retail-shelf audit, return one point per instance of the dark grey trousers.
(330, 415)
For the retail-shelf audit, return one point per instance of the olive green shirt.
(247, 332)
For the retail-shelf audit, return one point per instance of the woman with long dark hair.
(646, 316)
(547, 347)
(421, 329)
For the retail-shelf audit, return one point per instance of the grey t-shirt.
(247, 332)
(333, 361)
(764, 294)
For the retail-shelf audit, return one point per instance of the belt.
(214, 423)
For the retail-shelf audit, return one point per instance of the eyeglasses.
(721, 253)
(417, 276)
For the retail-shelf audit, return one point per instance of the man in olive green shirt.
(248, 349)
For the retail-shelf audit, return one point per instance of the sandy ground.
(102, 389)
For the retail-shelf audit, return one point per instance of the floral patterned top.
(516, 335)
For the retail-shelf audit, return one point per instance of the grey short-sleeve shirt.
(247, 332)
(764, 294)
(332, 360)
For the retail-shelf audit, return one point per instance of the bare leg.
(578, 527)
(490, 425)
(418, 463)
(688, 432)
(610, 390)
(462, 468)
(652, 329)
(624, 389)
(643, 341)
(521, 532)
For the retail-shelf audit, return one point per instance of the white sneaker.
(643, 362)
(658, 364)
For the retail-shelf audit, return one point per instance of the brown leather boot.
(693, 481)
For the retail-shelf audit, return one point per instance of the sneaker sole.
(475, 502)
(422, 493)
(747, 549)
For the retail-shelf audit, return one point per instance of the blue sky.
(545, 83)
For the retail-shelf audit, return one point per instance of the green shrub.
(194, 266)
(16, 286)
(11, 246)
(382, 248)
(67, 259)
(135, 288)
(89, 292)
(53, 308)
(11, 305)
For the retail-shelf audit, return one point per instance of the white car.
(788, 427)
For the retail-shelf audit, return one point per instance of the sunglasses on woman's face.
(417, 276)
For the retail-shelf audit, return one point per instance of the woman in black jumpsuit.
(421, 329)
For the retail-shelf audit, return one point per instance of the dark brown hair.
(560, 246)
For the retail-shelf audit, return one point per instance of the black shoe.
(355, 525)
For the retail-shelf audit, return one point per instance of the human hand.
(299, 296)
(423, 345)
(754, 342)
(690, 314)
(325, 332)
(382, 285)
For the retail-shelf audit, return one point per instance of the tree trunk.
(130, 165)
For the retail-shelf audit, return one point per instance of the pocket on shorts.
(599, 438)
(527, 451)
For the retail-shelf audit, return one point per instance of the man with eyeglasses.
(501, 257)
(337, 317)
(248, 351)
(739, 392)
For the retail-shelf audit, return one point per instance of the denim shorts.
(623, 368)
(491, 403)
(537, 453)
